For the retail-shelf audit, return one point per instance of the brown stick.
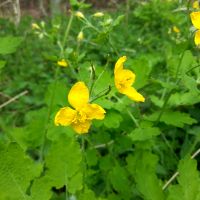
(177, 173)
(13, 99)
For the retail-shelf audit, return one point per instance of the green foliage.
(63, 168)
(189, 181)
(135, 149)
(144, 133)
(143, 168)
(17, 171)
(174, 118)
(9, 44)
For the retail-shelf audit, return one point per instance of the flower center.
(80, 117)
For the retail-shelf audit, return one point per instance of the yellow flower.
(195, 18)
(79, 15)
(80, 36)
(195, 4)
(124, 79)
(35, 26)
(83, 113)
(62, 63)
(176, 29)
(98, 14)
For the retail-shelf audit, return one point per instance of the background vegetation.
(136, 149)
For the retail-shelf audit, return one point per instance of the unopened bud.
(80, 36)
(98, 14)
(35, 26)
(79, 15)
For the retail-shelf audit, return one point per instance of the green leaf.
(112, 119)
(2, 64)
(31, 135)
(187, 62)
(91, 157)
(120, 182)
(189, 182)
(9, 44)
(118, 20)
(17, 171)
(174, 118)
(142, 166)
(146, 133)
(187, 98)
(87, 195)
(63, 163)
(142, 69)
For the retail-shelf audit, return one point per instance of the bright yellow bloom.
(124, 79)
(195, 18)
(83, 113)
(195, 4)
(62, 63)
(176, 29)
(79, 15)
(98, 14)
(35, 26)
(80, 36)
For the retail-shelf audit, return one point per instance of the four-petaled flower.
(124, 79)
(195, 17)
(83, 113)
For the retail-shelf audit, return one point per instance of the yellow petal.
(195, 17)
(62, 63)
(119, 63)
(197, 38)
(133, 94)
(81, 127)
(94, 111)
(64, 116)
(78, 96)
(124, 79)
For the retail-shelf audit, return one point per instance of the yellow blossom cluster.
(83, 112)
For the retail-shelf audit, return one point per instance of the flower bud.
(175, 29)
(79, 15)
(98, 14)
(35, 26)
(80, 36)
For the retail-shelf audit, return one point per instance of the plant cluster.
(102, 105)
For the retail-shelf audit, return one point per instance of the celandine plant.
(108, 127)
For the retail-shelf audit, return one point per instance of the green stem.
(129, 113)
(84, 159)
(56, 72)
(133, 118)
(100, 75)
(105, 92)
(67, 29)
(93, 77)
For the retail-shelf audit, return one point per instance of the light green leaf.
(187, 98)
(146, 133)
(189, 182)
(63, 164)
(143, 168)
(9, 44)
(142, 69)
(174, 118)
(16, 172)
(120, 182)
(187, 62)
(2, 64)
(112, 119)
